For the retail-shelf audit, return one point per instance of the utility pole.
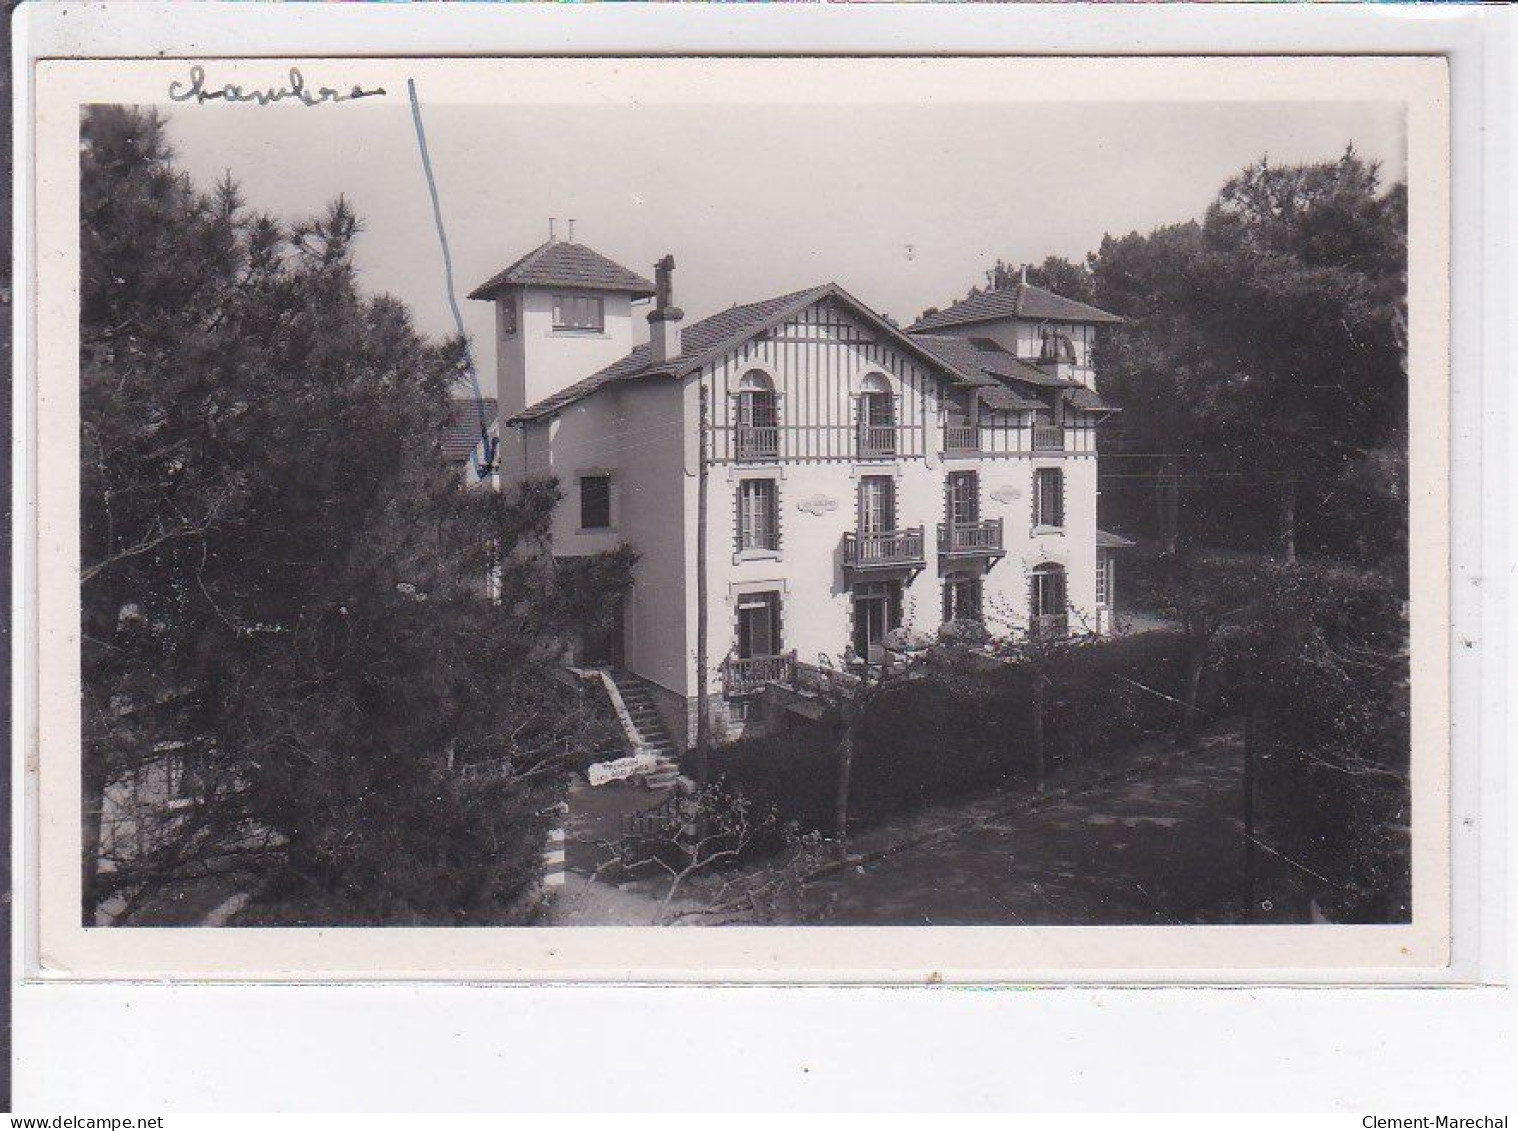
(1289, 518)
(1251, 851)
(703, 719)
(845, 772)
(1039, 693)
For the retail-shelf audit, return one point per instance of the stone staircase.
(652, 734)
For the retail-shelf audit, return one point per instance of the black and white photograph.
(767, 511)
(764, 557)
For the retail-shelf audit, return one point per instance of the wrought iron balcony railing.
(971, 538)
(884, 549)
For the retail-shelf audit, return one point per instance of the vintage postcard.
(742, 519)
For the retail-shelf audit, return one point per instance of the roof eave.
(527, 416)
(977, 319)
(489, 291)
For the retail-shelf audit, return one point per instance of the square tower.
(562, 312)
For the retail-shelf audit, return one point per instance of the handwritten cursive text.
(197, 91)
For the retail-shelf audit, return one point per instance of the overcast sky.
(903, 206)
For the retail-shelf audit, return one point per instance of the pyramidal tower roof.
(559, 263)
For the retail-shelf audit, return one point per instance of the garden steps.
(649, 732)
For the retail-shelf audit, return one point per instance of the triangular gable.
(806, 300)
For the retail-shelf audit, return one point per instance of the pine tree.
(284, 617)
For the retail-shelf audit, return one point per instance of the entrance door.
(877, 610)
(601, 640)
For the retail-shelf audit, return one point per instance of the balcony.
(971, 539)
(748, 675)
(876, 441)
(889, 549)
(1048, 438)
(961, 439)
(1050, 626)
(754, 442)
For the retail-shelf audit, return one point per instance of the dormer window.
(1057, 347)
(578, 312)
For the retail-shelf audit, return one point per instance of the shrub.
(963, 725)
(1115, 694)
(792, 775)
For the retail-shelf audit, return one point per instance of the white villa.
(865, 485)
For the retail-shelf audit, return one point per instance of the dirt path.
(1161, 844)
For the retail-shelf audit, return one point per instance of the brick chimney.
(665, 318)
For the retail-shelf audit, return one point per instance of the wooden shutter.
(766, 519)
(746, 511)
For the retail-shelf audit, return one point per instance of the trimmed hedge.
(965, 727)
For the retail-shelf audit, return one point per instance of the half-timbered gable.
(810, 379)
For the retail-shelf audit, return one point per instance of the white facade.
(821, 534)
(535, 359)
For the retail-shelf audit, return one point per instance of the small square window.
(595, 502)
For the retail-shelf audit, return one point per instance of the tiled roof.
(1004, 381)
(696, 339)
(561, 264)
(1106, 541)
(981, 368)
(466, 418)
(1087, 401)
(1020, 300)
(704, 341)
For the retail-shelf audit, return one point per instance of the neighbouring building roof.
(1084, 399)
(467, 418)
(982, 369)
(706, 340)
(1106, 541)
(1004, 381)
(1020, 300)
(561, 264)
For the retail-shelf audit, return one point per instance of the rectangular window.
(877, 504)
(758, 625)
(964, 498)
(595, 502)
(1103, 579)
(578, 312)
(508, 317)
(758, 515)
(1049, 497)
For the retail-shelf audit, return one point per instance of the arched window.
(758, 417)
(877, 417)
(1048, 617)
